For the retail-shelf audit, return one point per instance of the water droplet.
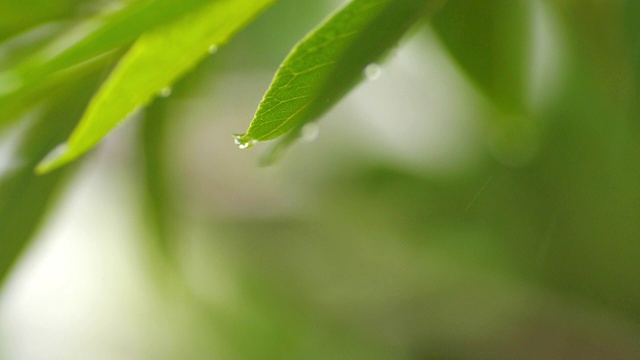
(372, 71)
(165, 92)
(243, 143)
(213, 49)
(310, 132)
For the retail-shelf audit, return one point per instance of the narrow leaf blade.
(490, 40)
(154, 63)
(329, 61)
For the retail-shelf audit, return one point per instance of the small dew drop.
(165, 92)
(372, 71)
(243, 144)
(310, 132)
(213, 49)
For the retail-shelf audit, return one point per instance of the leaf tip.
(55, 159)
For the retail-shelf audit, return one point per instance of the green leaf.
(30, 95)
(21, 87)
(24, 196)
(490, 40)
(329, 61)
(156, 196)
(631, 11)
(21, 15)
(109, 32)
(151, 66)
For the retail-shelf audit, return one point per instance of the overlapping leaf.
(329, 61)
(105, 32)
(98, 35)
(112, 31)
(154, 63)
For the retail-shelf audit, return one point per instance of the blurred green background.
(477, 200)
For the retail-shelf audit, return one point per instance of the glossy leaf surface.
(329, 61)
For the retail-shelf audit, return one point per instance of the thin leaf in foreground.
(329, 61)
(153, 64)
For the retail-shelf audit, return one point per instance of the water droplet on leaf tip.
(242, 143)
(310, 132)
(165, 92)
(372, 71)
(213, 49)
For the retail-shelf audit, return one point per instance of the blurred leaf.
(490, 39)
(20, 15)
(14, 104)
(24, 196)
(157, 192)
(98, 35)
(111, 31)
(156, 60)
(592, 156)
(610, 55)
(491, 42)
(631, 13)
(329, 61)
(272, 34)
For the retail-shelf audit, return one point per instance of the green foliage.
(324, 66)
(25, 196)
(491, 42)
(31, 79)
(354, 250)
(31, 13)
(151, 66)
